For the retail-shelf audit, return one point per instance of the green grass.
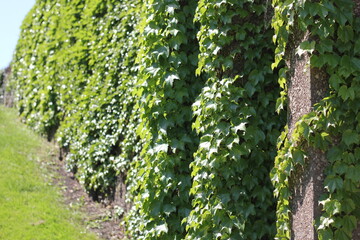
(30, 207)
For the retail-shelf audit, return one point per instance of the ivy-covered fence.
(185, 101)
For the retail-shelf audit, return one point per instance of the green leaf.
(325, 45)
(161, 147)
(350, 137)
(332, 59)
(345, 33)
(241, 127)
(325, 222)
(225, 198)
(341, 234)
(326, 234)
(349, 224)
(250, 89)
(205, 145)
(168, 208)
(335, 81)
(348, 206)
(357, 46)
(169, 79)
(305, 47)
(331, 207)
(163, 228)
(298, 156)
(333, 183)
(353, 173)
(344, 93)
(240, 35)
(161, 51)
(356, 63)
(280, 103)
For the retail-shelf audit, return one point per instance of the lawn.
(30, 206)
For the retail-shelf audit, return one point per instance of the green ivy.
(333, 126)
(32, 67)
(237, 122)
(168, 87)
(100, 126)
(74, 66)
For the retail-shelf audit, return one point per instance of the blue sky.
(12, 13)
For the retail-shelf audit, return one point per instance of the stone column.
(306, 86)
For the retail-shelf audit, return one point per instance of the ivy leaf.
(348, 206)
(235, 192)
(357, 46)
(249, 210)
(342, 234)
(170, 79)
(298, 156)
(250, 89)
(349, 223)
(325, 222)
(350, 137)
(326, 234)
(340, 168)
(162, 228)
(344, 93)
(240, 127)
(345, 33)
(335, 81)
(331, 207)
(205, 145)
(240, 35)
(280, 103)
(255, 134)
(169, 208)
(171, 8)
(305, 47)
(161, 147)
(161, 51)
(333, 182)
(356, 63)
(332, 59)
(326, 45)
(353, 173)
(256, 76)
(225, 198)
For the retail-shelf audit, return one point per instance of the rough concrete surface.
(305, 88)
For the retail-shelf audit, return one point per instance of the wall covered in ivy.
(187, 100)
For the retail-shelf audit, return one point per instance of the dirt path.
(104, 219)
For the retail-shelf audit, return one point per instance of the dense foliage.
(81, 83)
(235, 116)
(333, 126)
(167, 87)
(179, 96)
(99, 125)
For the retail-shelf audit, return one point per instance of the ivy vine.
(332, 126)
(236, 119)
(168, 87)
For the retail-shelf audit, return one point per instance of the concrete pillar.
(306, 86)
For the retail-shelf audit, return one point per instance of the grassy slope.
(30, 208)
